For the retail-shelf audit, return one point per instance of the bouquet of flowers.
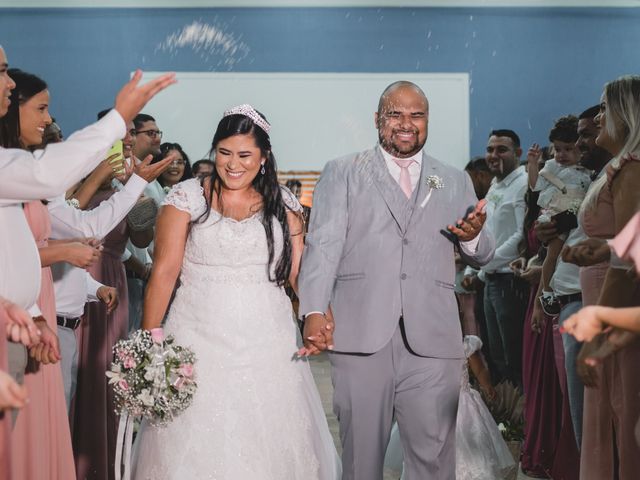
(152, 377)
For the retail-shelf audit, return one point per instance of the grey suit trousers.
(421, 392)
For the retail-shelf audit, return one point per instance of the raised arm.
(47, 173)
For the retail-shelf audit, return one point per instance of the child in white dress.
(481, 452)
(562, 185)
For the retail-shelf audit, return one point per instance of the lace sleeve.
(471, 345)
(188, 197)
(290, 199)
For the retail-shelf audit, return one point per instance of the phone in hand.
(452, 237)
(117, 163)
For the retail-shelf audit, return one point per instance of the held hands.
(585, 324)
(83, 255)
(317, 334)
(108, 296)
(588, 252)
(20, 326)
(132, 97)
(469, 227)
(48, 350)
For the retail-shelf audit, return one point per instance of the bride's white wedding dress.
(257, 413)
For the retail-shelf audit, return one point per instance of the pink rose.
(157, 334)
(129, 362)
(123, 385)
(186, 370)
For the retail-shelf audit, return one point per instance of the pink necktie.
(405, 178)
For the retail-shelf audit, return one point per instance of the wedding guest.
(41, 439)
(178, 170)
(480, 174)
(542, 393)
(74, 286)
(25, 176)
(202, 168)
(611, 408)
(138, 261)
(505, 295)
(94, 420)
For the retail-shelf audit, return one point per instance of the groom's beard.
(401, 149)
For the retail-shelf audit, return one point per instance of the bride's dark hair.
(266, 184)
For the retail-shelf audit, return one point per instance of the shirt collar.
(506, 181)
(389, 158)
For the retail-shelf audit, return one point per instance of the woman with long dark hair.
(235, 239)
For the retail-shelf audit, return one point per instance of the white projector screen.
(314, 117)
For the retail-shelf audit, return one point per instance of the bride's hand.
(317, 334)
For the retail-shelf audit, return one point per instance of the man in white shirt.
(26, 176)
(137, 260)
(505, 295)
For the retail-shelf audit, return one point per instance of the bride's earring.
(262, 170)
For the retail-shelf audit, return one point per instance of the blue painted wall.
(527, 66)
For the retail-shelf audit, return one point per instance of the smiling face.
(402, 121)
(174, 173)
(502, 156)
(34, 118)
(129, 140)
(238, 161)
(592, 156)
(6, 84)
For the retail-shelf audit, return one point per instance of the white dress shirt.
(26, 176)
(73, 285)
(505, 219)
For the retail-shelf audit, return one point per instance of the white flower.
(435, 183)
(501, 427)
(146, 398)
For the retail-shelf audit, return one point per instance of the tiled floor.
(322, 373)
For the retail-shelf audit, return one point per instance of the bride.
(235, 240)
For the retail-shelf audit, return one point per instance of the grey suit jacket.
(375, 255)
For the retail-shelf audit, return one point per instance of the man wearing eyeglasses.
(148, 135)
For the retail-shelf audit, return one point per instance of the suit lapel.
(422, 189)
(389, 189)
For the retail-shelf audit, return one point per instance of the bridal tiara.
(248, 111)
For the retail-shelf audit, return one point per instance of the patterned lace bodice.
(237, 249)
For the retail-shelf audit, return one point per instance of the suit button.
(403, 276)
(405, 241)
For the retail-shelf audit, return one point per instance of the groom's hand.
(469, 227)
(317, 334)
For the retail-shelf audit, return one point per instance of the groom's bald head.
(402, 119)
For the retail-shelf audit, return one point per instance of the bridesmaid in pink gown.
(94, 422)
(41, 440)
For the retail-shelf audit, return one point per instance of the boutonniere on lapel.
(434, 182)
(166, 189)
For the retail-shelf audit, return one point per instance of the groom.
(376, 254)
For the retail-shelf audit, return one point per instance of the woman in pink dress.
(611, 406)
(94, 421)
